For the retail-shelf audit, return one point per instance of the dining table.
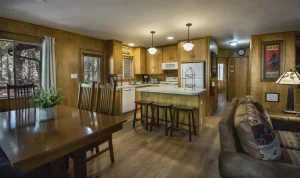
(29, 143)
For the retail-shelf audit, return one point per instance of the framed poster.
(272, 60)
(272, 97)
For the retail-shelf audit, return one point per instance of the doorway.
(223, 77)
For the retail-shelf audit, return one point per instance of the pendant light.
(152, 50)
(188, 46)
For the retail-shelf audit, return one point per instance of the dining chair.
(19, 98)
(85, 96)
(105, 104)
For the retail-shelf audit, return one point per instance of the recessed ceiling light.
(131, 44)
(233, 43)
(170, 38)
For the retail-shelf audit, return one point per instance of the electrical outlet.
(73, 76)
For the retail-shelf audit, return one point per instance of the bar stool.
(141, 103)
(190, 111)
(158, 106)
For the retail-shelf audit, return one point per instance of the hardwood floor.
(143, 154)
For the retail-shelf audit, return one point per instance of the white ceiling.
(132, 20)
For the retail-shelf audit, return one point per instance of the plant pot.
(46, 114)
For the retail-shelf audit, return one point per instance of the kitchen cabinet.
(154, 62)
(114, 56)
(170, 53)
(198, 53)
(140, 62)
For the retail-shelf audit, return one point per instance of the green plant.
(46, 98)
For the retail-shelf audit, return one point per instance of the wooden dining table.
(29, 143)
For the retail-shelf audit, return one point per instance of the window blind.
(127, 68)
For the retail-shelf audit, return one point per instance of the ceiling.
(131, 21)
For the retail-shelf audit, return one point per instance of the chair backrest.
(85, 96)
(21, 95)
(106, 95)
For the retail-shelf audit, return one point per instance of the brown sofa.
(235, 163)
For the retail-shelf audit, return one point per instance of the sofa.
(234, 162)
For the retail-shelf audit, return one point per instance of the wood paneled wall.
(258, 88)
(67, 51)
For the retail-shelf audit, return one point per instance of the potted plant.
(46, 100)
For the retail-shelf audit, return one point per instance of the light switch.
(73, 76)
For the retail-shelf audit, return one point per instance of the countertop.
(168, 90)
(137, 86)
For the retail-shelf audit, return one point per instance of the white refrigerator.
(199, 69)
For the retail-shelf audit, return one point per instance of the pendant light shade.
(152, 50)
(188, 46)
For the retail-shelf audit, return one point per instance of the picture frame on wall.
(297, 61)
(272, 60)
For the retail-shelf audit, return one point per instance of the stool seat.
(162, 105)
(184, 108)
(143, 102)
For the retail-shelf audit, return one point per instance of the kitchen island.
(179, 97)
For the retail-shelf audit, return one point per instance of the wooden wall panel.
(67, 51)
(258, 88)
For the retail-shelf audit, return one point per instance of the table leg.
(79, 158)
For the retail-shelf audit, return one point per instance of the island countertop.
(168, 90)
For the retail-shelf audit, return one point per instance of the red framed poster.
(272, 60)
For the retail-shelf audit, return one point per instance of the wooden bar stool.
(190, 111)
(158, 106)
(141, 103)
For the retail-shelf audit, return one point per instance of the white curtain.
(48, 63)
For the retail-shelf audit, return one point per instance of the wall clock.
(241, 52)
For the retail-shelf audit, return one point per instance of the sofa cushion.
(290, 156)
(288, 140)
(255, 132)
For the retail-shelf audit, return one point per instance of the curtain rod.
(14, 33)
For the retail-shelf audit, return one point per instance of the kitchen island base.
(196, 101)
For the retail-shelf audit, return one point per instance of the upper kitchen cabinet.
(198, 53)
(170, 53)
(154, 62)
(213, 46)
(140, 62)
(114, 56)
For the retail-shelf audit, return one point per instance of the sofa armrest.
(291, 124)
(239, 165)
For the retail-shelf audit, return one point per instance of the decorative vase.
(46, 114)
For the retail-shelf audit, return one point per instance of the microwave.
(170, 66)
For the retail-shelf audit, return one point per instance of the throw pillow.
(255, 132)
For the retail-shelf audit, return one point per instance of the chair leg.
(166, 121)
(152, 117)
(190, 133)
(194, 125)
(142, 114)
(157, 116)
(173, 118)
(134, 117)
(111, 149)
(177, 119)
(146, 117)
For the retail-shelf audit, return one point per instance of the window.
(91, 67)
(127, 68)
(220, 72)
(19, 64)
